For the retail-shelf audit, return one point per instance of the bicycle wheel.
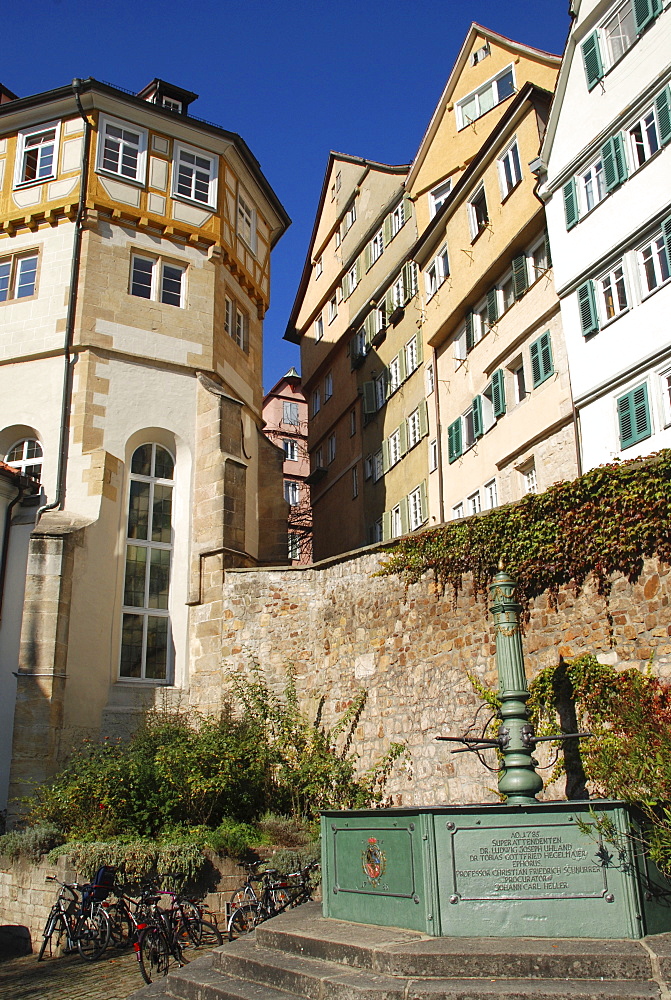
(281, 899)
(92, 933)
(242, 896)
(122, 930)
(242, 921)
(49, 928)
(189, 924)
(153, 954)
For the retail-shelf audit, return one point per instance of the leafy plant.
(604, 522)
(31, 843)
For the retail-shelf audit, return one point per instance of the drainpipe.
(5, 543)
(68, 360)
(439, 437)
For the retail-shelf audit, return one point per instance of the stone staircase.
(301, 954)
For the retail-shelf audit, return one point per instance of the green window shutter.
(423, 501)
(344, 287)
(402, 369)
(548, 249)
(389, 303)
(591, 57)
(492, 306)
(663, 105)
(454, 440)
(469, 331)
(614, 161)
(571, 212)
(520, 276)
(407, 282)
(385, 456)
(358, 269)
(407, 208)
(386, 230)
(541, 359)
(405, 516)
(499, 393)
(423, 419)
(353, 348)
(420, 347)
(386, 526)
(403, 436)
(369, 397)
(666, 231)
(645, 12)
(589, 318)
(368, 257)
(634, 416)
(477, 417)
(369, 329)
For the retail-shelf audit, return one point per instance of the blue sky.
(296, 78)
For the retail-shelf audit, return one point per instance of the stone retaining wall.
(344, 629)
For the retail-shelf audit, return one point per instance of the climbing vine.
(606, 521)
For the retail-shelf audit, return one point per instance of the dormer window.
(168, 96)
(172, 105)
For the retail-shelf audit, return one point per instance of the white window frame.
(529, 477)
(290, 446)
(316, 401)
(534, 272)
(319, 267)
(157, 287)
(396, 525)
(213, 173)
(378, 466)
(644, 142)
(436, 273)
(319, 458)
(22, 140)
(328, 386)
(291, 492)
(665, 390)
(458, 511)
(293, 545)
(414, 429)
(236, 323)
(331, 448)
(611, 288)
(507, 280)
(510, 169)
(140, 174)
(394, 374)
(610, 58)
(411, 356)
(376, 246)
(368, 467)
(416, 516)
(380, 387)
(438, 195)
(333, 308)
(395, 448)
(355, 482)
(654, 266)
(476, 225)
(433, 455)
(468, 437)
(290, 413)
(26, 464)
(397, 216)
(352, 278)
(474, 503)
(246, 220)
(480, 321)
(591, 186)
(520, 390)
(430, 380)
(491, 495)
(12, 269)
(352, 423)
(319, 327)
(476, 97)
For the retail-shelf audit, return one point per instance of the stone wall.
(344, 629)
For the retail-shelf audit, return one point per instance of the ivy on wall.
(606, 521)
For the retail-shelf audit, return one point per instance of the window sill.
(39, 180)
(644, 298)
(512, 190)
(481, 230)
(613, 319)
(206, 206)
(120, 177)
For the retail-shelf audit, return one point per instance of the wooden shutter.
(423, 418)
(368, 257)
(420, 347)
(591, 57)
(407, 208)
(386, 526)
(571, 212)
(541, 359)
(634, 416)
(645, 12)
(663, 105)
(520, 276)
(402, 368)
(548, 249)
(469, 332)
(492, 306)
(589, 318)
(405, 516)
(423, 502)
(403, 438)
(614, 161)
(666, 232)
(407, 282)
(369, 329)
(344, 287)
(477, 417)
(385, 456)
(358, 269)
(454, 440)
(369, 397)
(389, 303)
(386, 230)
(499, 392)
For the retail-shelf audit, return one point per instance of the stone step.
(387, 951)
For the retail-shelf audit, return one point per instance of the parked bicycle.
(295, 887)
(247, 893)
(78, 919)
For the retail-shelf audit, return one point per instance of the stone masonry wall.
(344, 629)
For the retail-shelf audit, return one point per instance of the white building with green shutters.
(606, 180)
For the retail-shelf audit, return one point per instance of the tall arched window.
(145, 640)
(26, 456)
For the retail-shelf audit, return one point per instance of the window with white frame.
(328, 386)
(36, 154)
(480, 321)
(474, 503)
(316, 401)
(194, 176)
(122, 150)
(510, 169)
(333, 308)
(352, 278)
(319, 458)
(380, 386)
(319, 268)
(352, 423)
(437, 271)
(395, 447)
(416, 508)
(394, 374)
(491, 498)
(171, 104)
(538, 259)
(290, 449)
(485, 98)
(414, 432)
(478, 214)
(236, 323)
(519, 381)
(398, 292)
(529, 480)
(376, 531)
(319, 327)
(411, 356)
(430, 380)
(355, 482)
(18, 276)
(289, 413)
(592, 185)
(378, 466)
(468, 428)
(396, 522)
(26, 456)
(368, 467)
(619, 32)
(157, 279)
(291, 491)
(665, 378)
(644, 138)
(480, 54)
(653, 264)
(294, 545)
(613, 292)
(508, 291)
(331, 448)
(145, 634)
(438, 196)
(247, 222)
(433, 455)
(348, 220)
(398, 218)
(457, 511)
(376, 246)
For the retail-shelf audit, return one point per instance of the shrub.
(32, 843)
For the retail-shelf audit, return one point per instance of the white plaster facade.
(606, 160)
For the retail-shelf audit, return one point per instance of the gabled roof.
(290, 332)
(492, 36)
(291, 378)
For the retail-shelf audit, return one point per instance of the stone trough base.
(302, 954)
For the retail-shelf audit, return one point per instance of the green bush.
(135, 860)
(32, 843)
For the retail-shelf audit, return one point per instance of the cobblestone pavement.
(70, 978)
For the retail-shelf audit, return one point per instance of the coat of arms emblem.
(374, 861)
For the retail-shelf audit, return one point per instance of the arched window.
(26, 456)
(145, 640)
